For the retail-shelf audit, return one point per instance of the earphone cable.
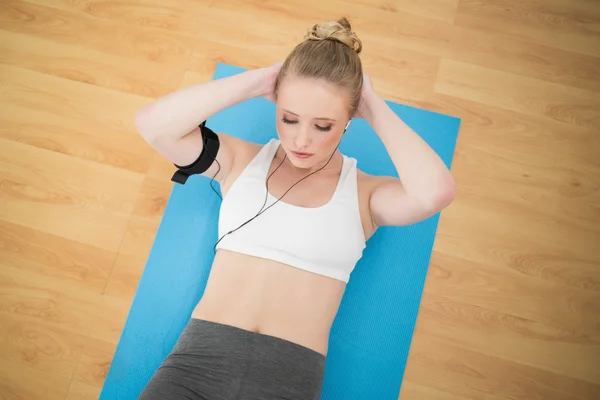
(279, 199)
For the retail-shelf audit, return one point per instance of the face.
(311, 117)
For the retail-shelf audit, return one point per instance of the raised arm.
(170, 123)
(425, 186)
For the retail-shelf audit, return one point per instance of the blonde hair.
(330, 51)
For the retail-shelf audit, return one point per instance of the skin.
(300, 305)
(258, 294)
(305, 108)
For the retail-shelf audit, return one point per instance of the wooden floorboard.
(511, 305)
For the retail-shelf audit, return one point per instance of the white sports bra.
(326, 240)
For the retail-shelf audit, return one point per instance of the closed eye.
(320, 128)
(288, 121)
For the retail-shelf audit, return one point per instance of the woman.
(262, 326)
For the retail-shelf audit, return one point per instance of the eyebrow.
(322, 118)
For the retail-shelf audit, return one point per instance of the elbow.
(449, 192)
(143, 124)
(442, 195)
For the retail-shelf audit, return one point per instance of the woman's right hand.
(271, 74)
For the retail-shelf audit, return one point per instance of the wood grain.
(517, 93)
(152, 200)
(47, 300)
(71, 100)
(568, 324)
(125, 275)
(443, 10)
(470, 374)
(83, 266)
(84, 64)
(173, 16)
(94, 363)
(567, 25)
(39, 346)
(137, 241)
(151, 45)
(413, 391)
(511, 305)
(108, 319)
(83, 391)
(392, 30)
(498, 51)
(39, 185)
(162, 170)
(22, 383)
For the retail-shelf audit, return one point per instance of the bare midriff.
(271, 298)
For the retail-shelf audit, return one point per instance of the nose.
(303, 138)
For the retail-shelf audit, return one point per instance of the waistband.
(210, 332)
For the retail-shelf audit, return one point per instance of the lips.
(301, 154)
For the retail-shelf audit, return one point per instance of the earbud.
(347, 125)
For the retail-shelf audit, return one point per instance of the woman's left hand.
(366, 94)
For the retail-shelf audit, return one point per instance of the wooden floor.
(511, 308)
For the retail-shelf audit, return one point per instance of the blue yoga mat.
(371, 335)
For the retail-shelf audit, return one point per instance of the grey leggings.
(212, 361)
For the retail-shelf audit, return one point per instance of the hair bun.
(339, 30)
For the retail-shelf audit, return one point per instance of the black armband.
(204, 161)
